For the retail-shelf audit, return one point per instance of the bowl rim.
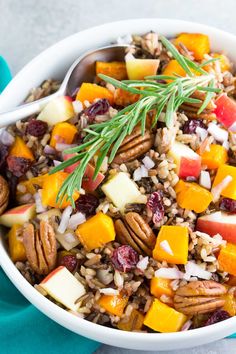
(87, 328)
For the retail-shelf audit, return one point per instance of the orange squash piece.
(132, 323)
(177, 238)
(16, 246)
(222, 172)
(115, 69)
(224, 61)
(230, 304)
(51, 186)
(31, 183)
(173, 68)
(227, 258)
(124, 98)
(63, 133)
(213, 158)
(114, 304)
(89, 92)
(96, 231)
(197, 43)
(191, 196)
(161, 286)
(20, 149)
(164, 319)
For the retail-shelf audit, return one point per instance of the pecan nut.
(199, 297)
(4, 195)
(134, 231)
(41, 247)
(191, 109)
(134, 145)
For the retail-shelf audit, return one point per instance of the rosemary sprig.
(104, 139)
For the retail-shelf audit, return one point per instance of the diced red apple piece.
(226, 111)
(88, 183)
(18, 215)
(58, 110)
(137, 69)
(187, 161)
(63, 287)
(218, 223)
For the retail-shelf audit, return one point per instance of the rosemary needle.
(104, 139)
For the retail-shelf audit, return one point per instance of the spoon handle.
(12, 116)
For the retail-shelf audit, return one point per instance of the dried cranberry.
(156, 205)
(18, 165)
(191, 125)
(87, 204)
(37, 128)
(217, 316)
(69, 261)
(228, 204)
(99, 107)
(124, 258)
(3, 154)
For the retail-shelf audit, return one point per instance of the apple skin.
(50, 275)
(137, 69)
(218, 223)
(18, 215)
(88, 183)
(226, 111)
(188, 162)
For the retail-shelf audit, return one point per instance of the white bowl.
(53, 63)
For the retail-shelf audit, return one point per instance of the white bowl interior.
(53, 63)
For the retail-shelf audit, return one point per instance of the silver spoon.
(82, 70)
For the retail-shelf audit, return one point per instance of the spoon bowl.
(82, 70)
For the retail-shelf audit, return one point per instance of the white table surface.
(29, 26)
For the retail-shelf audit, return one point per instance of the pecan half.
(134, 145)
(199, 297)
(40, 246)
(134, 231)
(4, 195)
(191, 109)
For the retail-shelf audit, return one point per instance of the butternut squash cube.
(20, 149)
(63, 133)
(192, 196)
(16, 246)
(227, 258)
(113, 304)
(173, 68)
(164, 319)
(198, 43)
(177, 238)
(133, 323)
(89, 92)
(51, 187)
(161, 286)
(214, 157)
(230, 304)
(115, 69)
(222, 172)
(96, 231)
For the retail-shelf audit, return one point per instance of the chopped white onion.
(219, 134)
(70, 237)
(56, 163)
(109, 291)
(38, 203)
(129, 57)
(169, 273)
(148, 162)
(49, 150)
(6, 138)
(143, 263)
(205, 179)
(226, 145)
(186, 326)
(61, 147)
(166, 247)
(201, 133)
(139, 173)
(65, 219)
(216, 191)
(76, 220)
(232, 128)
(194, 270)
(78, 106)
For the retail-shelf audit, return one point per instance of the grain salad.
(120, 202)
